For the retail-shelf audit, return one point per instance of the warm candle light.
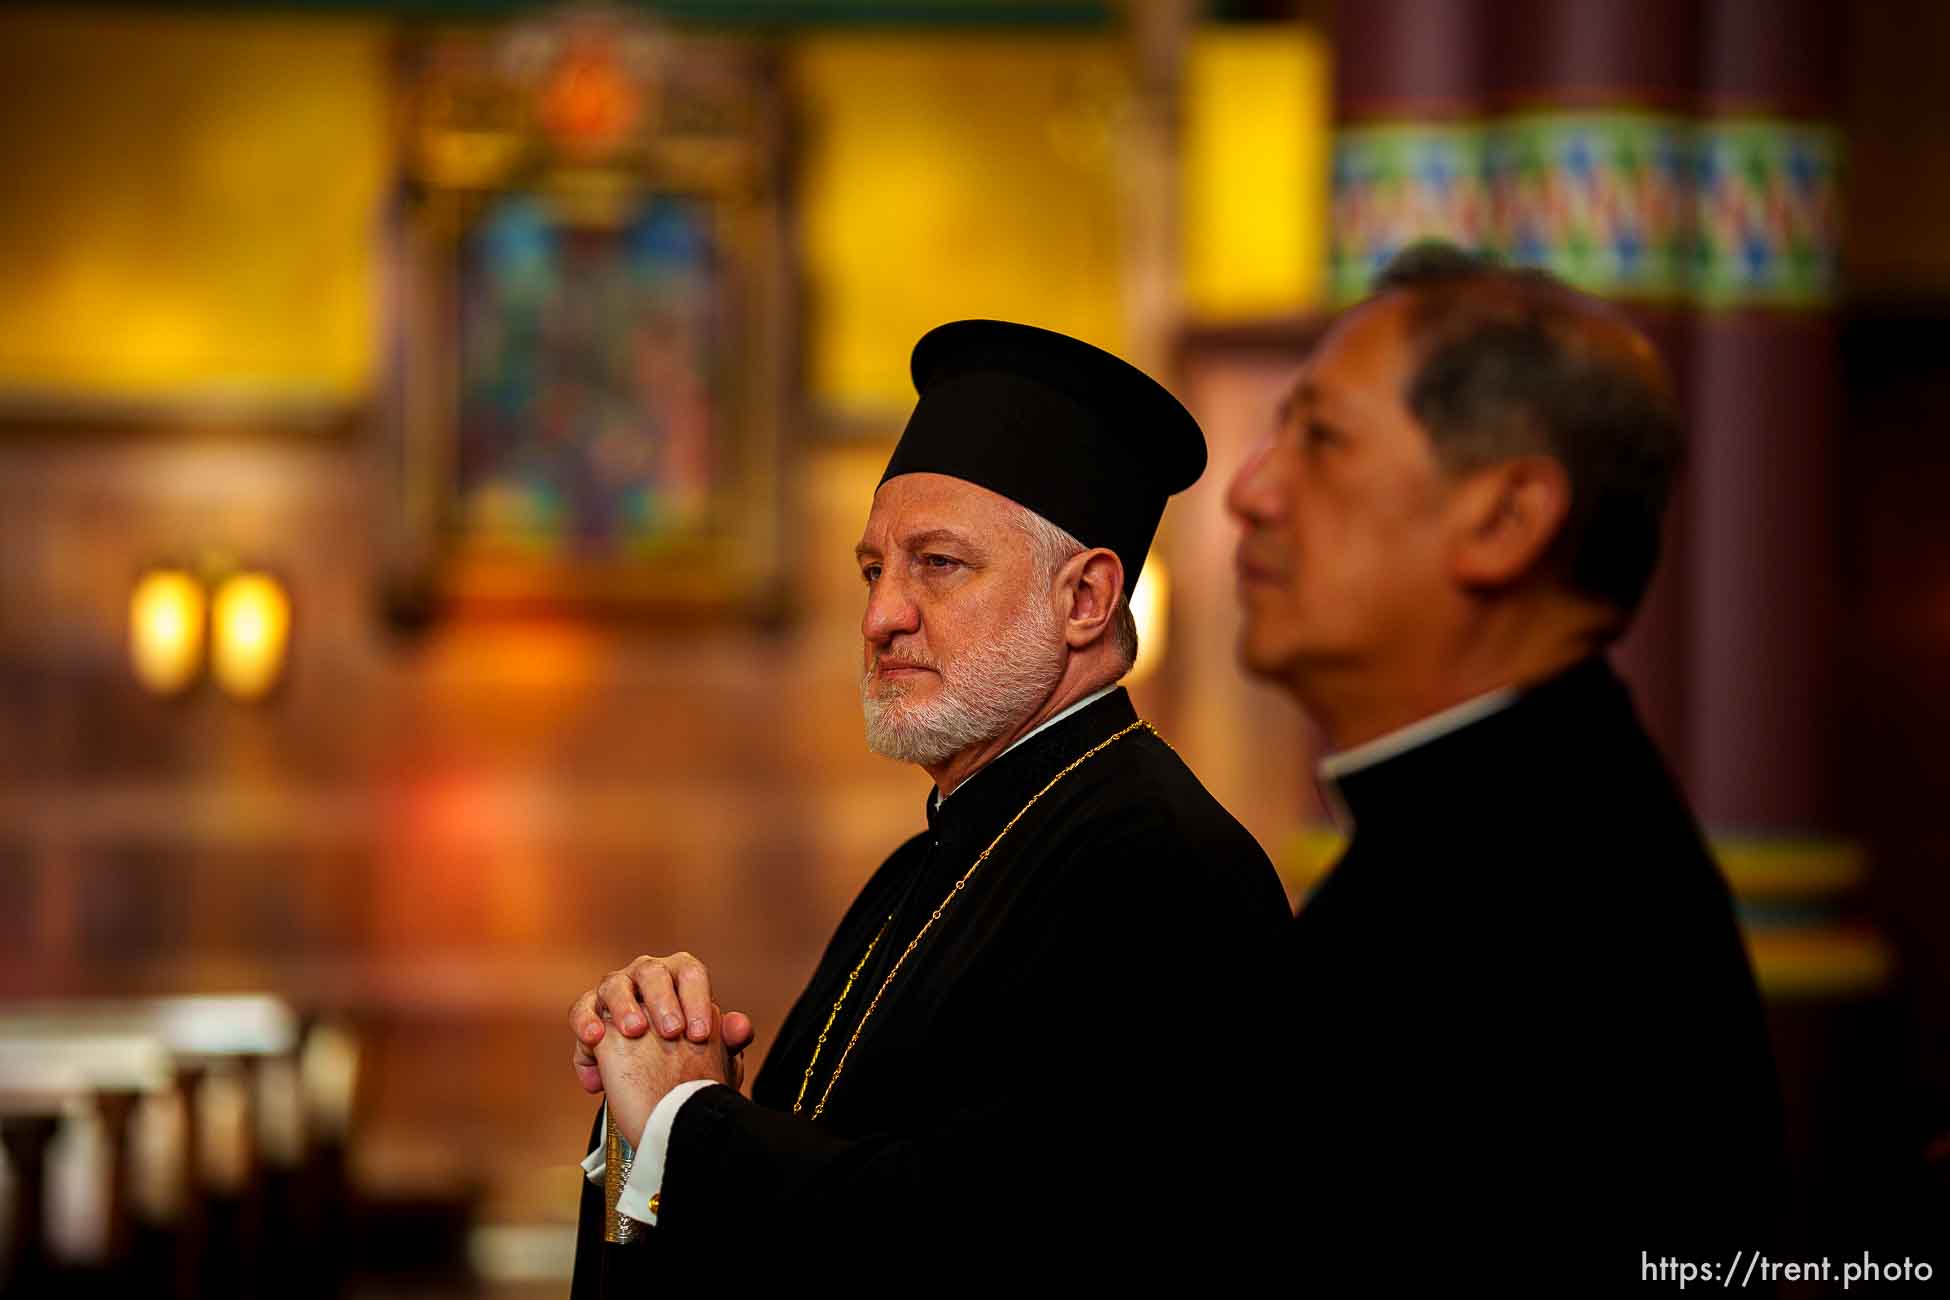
(166, 630)
(251, 625)
(1151, 608)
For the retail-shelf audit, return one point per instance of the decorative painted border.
(1723, 212)
(1393, 185)
(1768, 199)
(1602, 201)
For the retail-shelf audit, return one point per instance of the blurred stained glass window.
(589, 362)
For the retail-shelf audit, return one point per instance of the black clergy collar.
(988, 798)
(1460, 768)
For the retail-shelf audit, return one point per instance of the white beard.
(985, 694)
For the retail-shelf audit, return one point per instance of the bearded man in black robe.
(1067, 850)
(1524, 1043)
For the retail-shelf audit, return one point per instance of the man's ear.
(1091, 579)
(1509, 514)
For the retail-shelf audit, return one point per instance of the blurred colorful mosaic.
(1768, 208)
(1394, 185)
(1636, 205)
(589, 380)
(1600, 201)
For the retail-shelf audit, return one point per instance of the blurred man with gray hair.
(1524, 1041)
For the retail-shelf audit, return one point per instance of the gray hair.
(1514, 362)
(1050, 548)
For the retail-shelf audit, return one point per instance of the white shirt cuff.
(647, 1170)
(594, 1163)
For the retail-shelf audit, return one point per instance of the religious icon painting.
(591, 321)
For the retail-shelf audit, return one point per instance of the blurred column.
(1589, 174)
(1764, 392)
(1764, 581)
(1159, 33)
(1410, 82)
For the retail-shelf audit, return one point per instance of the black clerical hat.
(1089, 442)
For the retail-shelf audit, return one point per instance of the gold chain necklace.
(915, 942)
(831, 1016)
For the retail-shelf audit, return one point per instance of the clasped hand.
(616, 1055)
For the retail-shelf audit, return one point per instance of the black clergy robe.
(1037, 1071)
(1525, 1042)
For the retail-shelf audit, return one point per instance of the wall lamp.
(242, 617)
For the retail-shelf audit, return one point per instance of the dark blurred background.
(432, 439)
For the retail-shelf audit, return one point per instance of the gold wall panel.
(948, 176)
(1257, 136)
(191, 205)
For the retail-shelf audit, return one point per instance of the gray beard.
(986, 694)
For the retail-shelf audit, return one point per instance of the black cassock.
(1526, 1040)
(1040, 1068)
